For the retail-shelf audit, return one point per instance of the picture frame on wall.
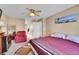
(66, 19)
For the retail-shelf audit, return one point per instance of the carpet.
(23, 51)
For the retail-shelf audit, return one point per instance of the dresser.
(1, 37)
(3, 43)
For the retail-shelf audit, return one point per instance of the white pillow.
(52, 34)
(59, 34)
(68, 37)
(74, 38)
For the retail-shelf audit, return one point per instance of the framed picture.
(66, 19)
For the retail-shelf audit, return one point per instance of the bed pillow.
(59, 34)
(52, 34)
(74, 38)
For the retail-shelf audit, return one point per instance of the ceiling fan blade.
(37, 14)
(38, 11)
(28, 9)
(31, 10)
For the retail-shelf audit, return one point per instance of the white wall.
(19, 23)
(71, 28)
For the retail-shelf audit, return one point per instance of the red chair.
(14, 34)
(20, 37)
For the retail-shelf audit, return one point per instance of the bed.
(54, 46)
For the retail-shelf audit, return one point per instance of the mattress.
(57, 46)
(38, 49)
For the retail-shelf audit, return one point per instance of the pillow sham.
(74, 38)
(59, 34)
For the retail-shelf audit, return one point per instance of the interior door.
(37, 29)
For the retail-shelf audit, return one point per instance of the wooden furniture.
(5, 42)
(1, 36)
(9, 38)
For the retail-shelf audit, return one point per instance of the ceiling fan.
(33, 12)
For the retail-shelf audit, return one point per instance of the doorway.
(37, 29)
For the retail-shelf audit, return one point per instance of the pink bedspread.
(59, 46)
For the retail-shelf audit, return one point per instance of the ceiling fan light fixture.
(32, 14)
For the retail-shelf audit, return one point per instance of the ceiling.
(19, 10)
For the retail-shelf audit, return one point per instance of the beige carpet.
(23, 51)
(15, 46)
